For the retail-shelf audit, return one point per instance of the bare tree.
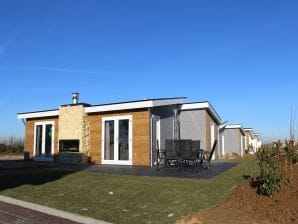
(292, 125)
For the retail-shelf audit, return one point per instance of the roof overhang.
(236, 126)
(203, 106)
(38, 114)
(109, 107)
(223, 124)
(135, 105)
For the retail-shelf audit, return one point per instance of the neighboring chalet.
(232, 140)
(200, 121)
(259, 140)
(124, 133)
(253, 140)
(118, 133)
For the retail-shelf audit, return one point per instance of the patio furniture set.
(184, 153)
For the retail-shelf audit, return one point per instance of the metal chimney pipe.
(75, 98)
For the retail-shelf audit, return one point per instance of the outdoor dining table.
(179, 153)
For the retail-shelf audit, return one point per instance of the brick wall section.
(140, 136)
(29, 135)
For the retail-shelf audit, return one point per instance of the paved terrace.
(218, 167)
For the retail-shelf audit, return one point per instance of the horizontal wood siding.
(95, 138)
(29, 136)
(141, 139)
(140, 136)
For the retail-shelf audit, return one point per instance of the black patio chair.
(172, 153)
(196, 145)
(160, 155)
(188, 156)
(207, 156)
(196, 148)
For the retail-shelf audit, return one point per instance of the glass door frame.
(44, 157)
(116, 160)
(156, 119)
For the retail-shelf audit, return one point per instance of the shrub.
(11, 145)
(276, 149)
(268, 180)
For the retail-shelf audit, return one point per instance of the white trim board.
(109, 107)
(157, 130)
(223, 144)
(235, 126)
(134, 105)
(51, 113)
(200, 106)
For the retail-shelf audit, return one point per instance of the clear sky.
(242, 56)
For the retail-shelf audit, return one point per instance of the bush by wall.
(268, 182)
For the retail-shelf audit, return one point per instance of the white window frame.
(241, 145)
(223, 144)
(42, 157)
(116, 140)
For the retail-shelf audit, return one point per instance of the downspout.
(219, 145)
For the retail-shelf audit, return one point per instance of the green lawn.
(135, 199)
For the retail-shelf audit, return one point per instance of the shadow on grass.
(246, 177)
(17, 173)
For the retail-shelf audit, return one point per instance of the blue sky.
(242, 56)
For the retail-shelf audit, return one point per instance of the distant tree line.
(11, 145)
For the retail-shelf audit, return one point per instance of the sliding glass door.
(117, 140)
(44, 140)
(38, 140)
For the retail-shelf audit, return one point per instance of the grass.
(135, 199)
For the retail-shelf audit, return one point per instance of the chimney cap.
(75, 97)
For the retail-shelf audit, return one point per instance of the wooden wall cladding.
(140, 136)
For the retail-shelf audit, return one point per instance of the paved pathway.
(13, 211)
(12, 214)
